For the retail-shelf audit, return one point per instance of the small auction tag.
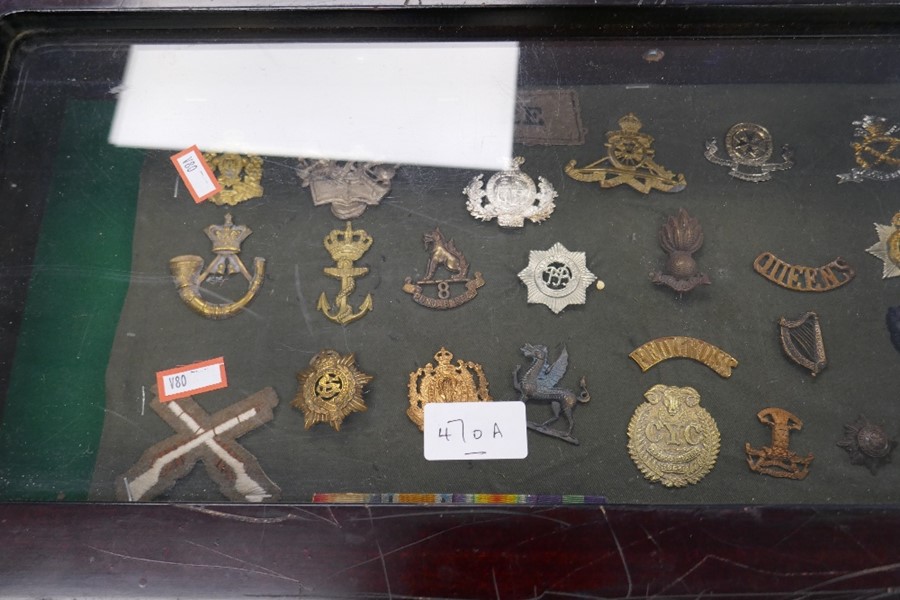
(196, 174)
(475, 431)
(188, 380)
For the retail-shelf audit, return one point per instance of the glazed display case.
(623, 279)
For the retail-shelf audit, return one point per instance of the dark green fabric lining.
(56, 401)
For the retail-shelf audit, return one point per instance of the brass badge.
(867, 444)
(510, 197)
(804, 279)
(749, 145)
(210, 439)
(348, 187)
(875, 152)
(680, 237)
(801, 340)
(778, 460)
(188, 272)
(671, 438)
(444, 253)
(345, 247)
(888, 247)
(330, 389)
(664, 348)
(539, 383)
(629, 161)
(239, 175)
(445, 382)
(556, 277)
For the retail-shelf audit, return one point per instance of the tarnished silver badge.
(750, 146)
(510, 197)
(875, 153)
(887, 248)
(556, 277)
(349, 187)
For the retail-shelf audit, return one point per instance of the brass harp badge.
(239, 175)
(749, 145)
(801, 340)
(778, 460)
(330, 389)
(445, 382)
(345, 247)
(628, 161)
(443, 253)
(188, 272)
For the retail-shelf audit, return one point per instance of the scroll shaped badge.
(556, 277)
(629, 161)
(875, 152)
(446, 382)
(207, 438)
(330, 389)
(239, 175)
(778, 460)
(749, 145)
(801, 340)
(539, 383)
(664, 348)
(348, 187)
(867, 444)
(510, 197)
(887, 248)
(671, 438)
(804, 279)
(443, 253)
(345, 247)
(188, 272)
(680, 237)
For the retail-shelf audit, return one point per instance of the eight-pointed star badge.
(330, 389)
(556, 277)
(888, 246)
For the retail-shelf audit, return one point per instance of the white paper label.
(181, 382)
(196, 174)
(475, 431)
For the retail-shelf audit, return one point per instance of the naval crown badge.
(443, 252)
(345, 246)
(349, 187)
(749, 145)
(239, 175)
(875, 152)
(445, 382)
(628, 161)
(511, 197)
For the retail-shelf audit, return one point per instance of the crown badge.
(330, 389)
(875, 153)
(349, 187)
(189, 274)
(749, 145)
(628, 161)
(444, 253)
(345, 247)
(446, 382)
(510, 197)
(239, 175)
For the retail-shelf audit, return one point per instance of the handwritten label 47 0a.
(189, 380)
(196, 174)
(475, 431)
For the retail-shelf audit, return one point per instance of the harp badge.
(510, 197)
(749, 145)
(875, 152)
(887, 248)
(330, 389)
(628, 161)
(445, 382)
(801, 340)
(778, 460)
(239, 175)
(444, 253)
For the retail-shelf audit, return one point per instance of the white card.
(475, 431)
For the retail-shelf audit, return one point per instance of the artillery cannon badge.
(671, 438)
(510, 197)
(875, 153)
(446, 382)
(330, 389)
(443, 253)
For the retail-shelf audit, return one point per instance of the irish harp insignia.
(801, 340)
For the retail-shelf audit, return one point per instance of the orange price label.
(196, 174)
(188, 380)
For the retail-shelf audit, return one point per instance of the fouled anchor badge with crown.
(189, 274)
(345, 247)
(876, 153)
(446, 382)
(629, 161)
(444, 252)
(349, 187)
(510, 197)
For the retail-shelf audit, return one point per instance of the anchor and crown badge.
(346, 246)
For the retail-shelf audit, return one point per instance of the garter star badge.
(875, 153)
(671, 438)
(444, 253)
(239, 175)
(330, 389)
(867, 444)
(510, 197)
(888, 247)
(749, 145)
(446, 382)
(556, 277)
(628, 161)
